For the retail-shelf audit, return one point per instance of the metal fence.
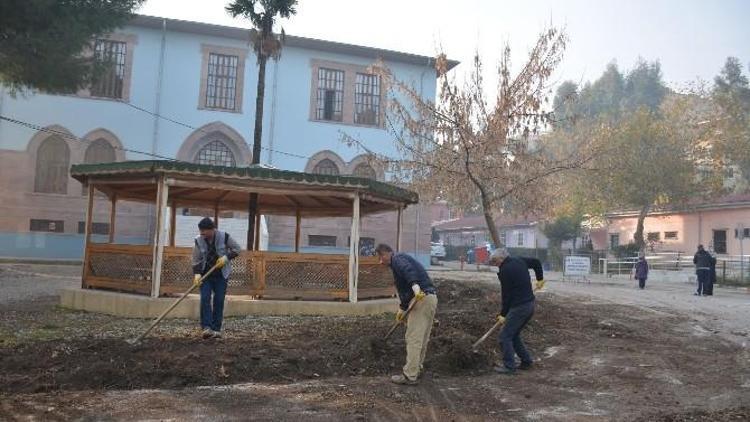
(731, 269)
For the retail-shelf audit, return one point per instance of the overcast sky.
(691, 38)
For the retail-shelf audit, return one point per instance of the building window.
(110, 82)
(330, 101)
(215, 153)
(100, 151)
(365, 170)
(520, 239)
(221, 83)
(614, 240)
(321, 240)
(670, 235)
(653, 237)
(51, 226)
(96, 228)
(52, 160)
(367, 99)
(720, 241)
(326, 166)
(503, 238)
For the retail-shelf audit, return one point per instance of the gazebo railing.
(267, 275)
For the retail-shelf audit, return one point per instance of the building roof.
(243, 34)
(722, 202)
(281, 192)
(478, 222)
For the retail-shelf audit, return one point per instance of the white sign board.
(577, 266)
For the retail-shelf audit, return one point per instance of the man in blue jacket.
(412, 284)
(518, 305)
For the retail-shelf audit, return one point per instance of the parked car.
(437, 251)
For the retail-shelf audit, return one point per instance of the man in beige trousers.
(412, 284)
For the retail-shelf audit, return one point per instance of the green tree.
(44, 43)
(266, 44)
(644, 87)
(731, 93)
(649, 165)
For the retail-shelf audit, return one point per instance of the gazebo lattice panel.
(122, 267)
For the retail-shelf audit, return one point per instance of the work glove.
(197, 280)
(399, 315)
(221, 262)
(418, 293)
(539, 284)
(500, 319)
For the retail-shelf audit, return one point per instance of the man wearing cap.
(212, 247)
(412, 284)
(517, 305)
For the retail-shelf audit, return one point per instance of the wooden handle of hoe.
(174, 305)
(493, 328)
(397, 323)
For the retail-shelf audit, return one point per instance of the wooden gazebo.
(162, 268)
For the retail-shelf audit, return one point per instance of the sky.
(690, 38)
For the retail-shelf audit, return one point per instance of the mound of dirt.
(300, 348)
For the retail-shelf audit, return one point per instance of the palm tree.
(262, 14)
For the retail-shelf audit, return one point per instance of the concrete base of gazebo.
(140, 306)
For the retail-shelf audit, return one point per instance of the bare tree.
(466, 149)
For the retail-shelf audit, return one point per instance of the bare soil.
(594, 362)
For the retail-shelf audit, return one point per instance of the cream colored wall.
(692, 229)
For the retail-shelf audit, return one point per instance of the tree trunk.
(487, 209)
(638, 236)
(257, 135)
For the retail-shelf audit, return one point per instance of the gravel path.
(26, 282)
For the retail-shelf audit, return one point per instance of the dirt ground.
(595, 361)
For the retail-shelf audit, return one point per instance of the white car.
(437, 250)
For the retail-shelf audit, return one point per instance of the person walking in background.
(641, 271)
(702, 261)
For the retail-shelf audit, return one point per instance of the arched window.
(100, 151)
(216, 153)
(52, 159)
(326, 166)
(365, 170)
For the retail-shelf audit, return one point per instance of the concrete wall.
(692, 229)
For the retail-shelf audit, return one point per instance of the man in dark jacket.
(518, 306)
(212, 247)
(702, 261)
(412, 284)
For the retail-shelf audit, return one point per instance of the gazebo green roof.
(113, 178)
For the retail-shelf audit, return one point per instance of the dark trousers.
(212, 316)
(510, 336)
(704, 279)
(641, 282)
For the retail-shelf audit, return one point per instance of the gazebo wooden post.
(297, 230)
(172, 223)
(162, 194)
(399, 228)
(112, 213)
(354, 251)
(256, 238)
(87, 233)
